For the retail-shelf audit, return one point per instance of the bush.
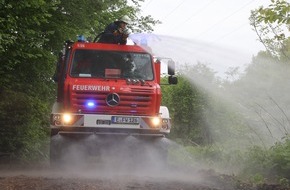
(23, 133)
(272, 163)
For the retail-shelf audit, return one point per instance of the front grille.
(136, 102)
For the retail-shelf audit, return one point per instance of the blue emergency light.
(91, 104)
(81, 38)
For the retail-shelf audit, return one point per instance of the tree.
(187, 103)
(270, 23)
(270, 69)
(21, 39)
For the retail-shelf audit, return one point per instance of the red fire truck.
(108, 89)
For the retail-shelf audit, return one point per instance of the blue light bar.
(81, 38)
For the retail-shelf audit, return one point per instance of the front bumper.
(79, 123)
(71, 131)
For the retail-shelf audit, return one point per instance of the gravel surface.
(173, 178)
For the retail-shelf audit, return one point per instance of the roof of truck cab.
(108, 47)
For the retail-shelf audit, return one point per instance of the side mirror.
(172, 80)
(171, 67)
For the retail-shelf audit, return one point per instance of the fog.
(124, 159)
(255, 90)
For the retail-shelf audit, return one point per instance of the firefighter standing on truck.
(116, 32)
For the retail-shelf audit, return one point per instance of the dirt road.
(118, 169)
(172, 178)
(107, 181)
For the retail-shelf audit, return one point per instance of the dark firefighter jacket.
(112, 35)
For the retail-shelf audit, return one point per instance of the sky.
(218, 23)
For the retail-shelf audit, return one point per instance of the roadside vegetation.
(239, 125)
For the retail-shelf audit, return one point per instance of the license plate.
(125, 120)
(103, 122)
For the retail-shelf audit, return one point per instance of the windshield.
(108, 64)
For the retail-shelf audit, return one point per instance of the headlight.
(66, 118)
(156, 121)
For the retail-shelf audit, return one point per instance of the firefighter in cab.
(116, 32)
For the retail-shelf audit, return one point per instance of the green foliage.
(23, 131)
(270, 23)
(203, 111)
(278, 11)
(261, 93)
(186, 105)
(71, 18)
(258, 161)
(247, 119)
(260, 96)
(25, 70)
(21, 37)
(272, 163)
(257, 179)
(256, 164)
(208, 155)
(214, 157)
(188, 102)
(281, 158)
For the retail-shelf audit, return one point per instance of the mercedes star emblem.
(113, 99)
